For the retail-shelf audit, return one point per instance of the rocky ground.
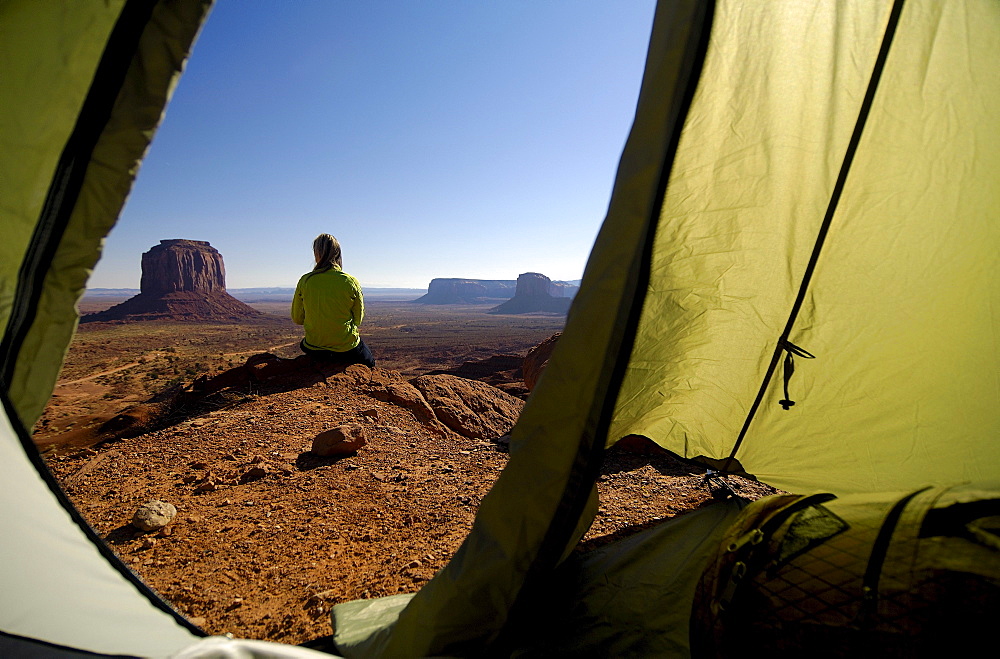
(268, 535)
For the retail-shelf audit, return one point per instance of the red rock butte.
(181, 280)
(533, 293)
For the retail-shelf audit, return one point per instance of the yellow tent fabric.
(544, 500)
(801, 209)
(807, 183)
(902, 310)
(71, 149)
(82, 87)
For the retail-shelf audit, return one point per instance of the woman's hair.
(326, 249)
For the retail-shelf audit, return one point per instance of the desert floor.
(267, 556)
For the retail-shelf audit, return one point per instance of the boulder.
(405, 394)
(500, 371)
(342, 440)
(468, 407)
(154, 515)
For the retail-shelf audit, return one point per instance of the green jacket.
(331, 307)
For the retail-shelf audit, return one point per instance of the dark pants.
(357, 355)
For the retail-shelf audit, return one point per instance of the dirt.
(269, 536)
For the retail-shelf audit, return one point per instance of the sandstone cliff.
(181, 280)
(174, 266)
(467, 291)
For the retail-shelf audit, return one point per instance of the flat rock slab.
(471, 408)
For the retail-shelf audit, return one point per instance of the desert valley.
(217, 418)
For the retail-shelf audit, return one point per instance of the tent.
(796, 280)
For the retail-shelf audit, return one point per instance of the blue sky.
(434, 138)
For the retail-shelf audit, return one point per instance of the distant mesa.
(457, 290)
(467, 291)
(533, 293)
(181, 280)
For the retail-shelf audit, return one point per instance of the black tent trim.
(590, 449)
(783, 343)
(28, 446)
(12, 645)
(67, 181)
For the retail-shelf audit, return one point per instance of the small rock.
(199, 465)
(253, 474)
(207, 486)
(154, 515)
(371, 414)
(343, 439)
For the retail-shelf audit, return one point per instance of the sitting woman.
(329, 303)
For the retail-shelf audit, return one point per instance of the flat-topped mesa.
(181, 280)
(533, 293)
(467, 291)
(178, 265)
